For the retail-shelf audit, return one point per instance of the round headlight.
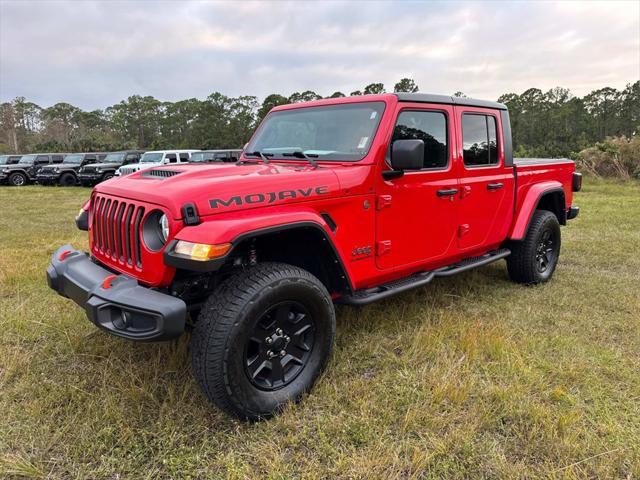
(164, 227)
(155, 230)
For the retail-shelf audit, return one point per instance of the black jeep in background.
(206, 156)
(27, 168)
(94, 173)
(66, 173)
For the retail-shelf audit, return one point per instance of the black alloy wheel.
(279, 345)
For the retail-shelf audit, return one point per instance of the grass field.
(470, 377)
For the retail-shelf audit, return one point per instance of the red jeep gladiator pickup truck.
(346, 200)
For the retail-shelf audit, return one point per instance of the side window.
(89, 158)
(57, 158)
(131, 158)
(184, 157)
(479, 139)
(430, 127)
(42, 159)
(170, 158)
(220, 157)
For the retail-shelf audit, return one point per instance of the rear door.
(486, 185)
(417, 213)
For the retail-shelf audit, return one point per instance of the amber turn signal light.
(201, 251)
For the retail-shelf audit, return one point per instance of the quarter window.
(184, 157)
(431, 128)
(479, 140)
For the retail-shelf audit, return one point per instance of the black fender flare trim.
(184, 263)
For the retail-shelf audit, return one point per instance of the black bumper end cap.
(573, 213)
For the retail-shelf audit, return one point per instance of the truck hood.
(223, 187)
(102, 165)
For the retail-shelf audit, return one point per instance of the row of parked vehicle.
(89, 169)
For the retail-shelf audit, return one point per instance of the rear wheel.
(67, 180)
(262, 339)
(534, 259)
(18, 179)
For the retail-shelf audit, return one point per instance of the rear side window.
(430, 127)
(42, 159)
(184, 157)
(57, 158)
(479, 140)
(171, 157)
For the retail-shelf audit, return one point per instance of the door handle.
(494, 186)
(447, 192)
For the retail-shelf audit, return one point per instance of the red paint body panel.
(405, 225)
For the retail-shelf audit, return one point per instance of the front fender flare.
(236, 228)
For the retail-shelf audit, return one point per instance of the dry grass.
(470, 377)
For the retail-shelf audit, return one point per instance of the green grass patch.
(469, 377)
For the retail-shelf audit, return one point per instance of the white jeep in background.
(156, 158)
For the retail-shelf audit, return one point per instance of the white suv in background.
(156, 158)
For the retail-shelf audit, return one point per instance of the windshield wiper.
(307, 156)
(263, 156)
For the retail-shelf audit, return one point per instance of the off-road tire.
(227, 321)
(18, 179)
(107, 176)
(67, 180)
(523, 264)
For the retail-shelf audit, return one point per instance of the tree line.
(552, 123)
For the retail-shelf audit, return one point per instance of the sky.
(93, 54)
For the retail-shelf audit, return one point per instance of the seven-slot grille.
(116, 226)
(127, 170)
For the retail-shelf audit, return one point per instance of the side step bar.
(370, 295)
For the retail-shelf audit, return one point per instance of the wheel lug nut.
(282, 353)
(286, 339)
(269, 340)
(279, 331)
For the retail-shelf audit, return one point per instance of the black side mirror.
(405, 155)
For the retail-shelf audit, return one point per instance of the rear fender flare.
(532, 200)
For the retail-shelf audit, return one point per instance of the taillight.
(576, 182)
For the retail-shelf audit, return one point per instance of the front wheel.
(107, 176)
(534, 259)
(67, 180)
(262, 339)
(18, 179)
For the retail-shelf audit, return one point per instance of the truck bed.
(539, 161)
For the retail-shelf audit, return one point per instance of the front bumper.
(47, 179)
(89, 178)
(115, 303)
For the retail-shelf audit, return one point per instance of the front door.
(486, 185)
(417, 213)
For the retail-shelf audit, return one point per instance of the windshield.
(151, 157)
(334, 132)
(114, 158)
(73, 159)
(202, 157)
(27, 159)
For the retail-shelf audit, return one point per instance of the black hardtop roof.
(46, 153)
(220, 150)
(445, 99)
(89, 153)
